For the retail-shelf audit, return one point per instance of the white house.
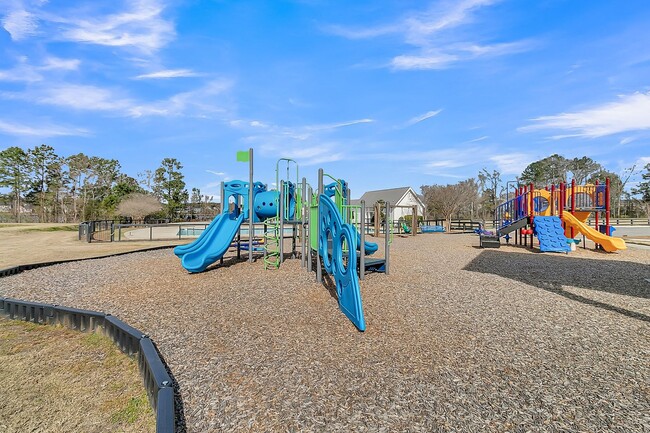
(404, 196)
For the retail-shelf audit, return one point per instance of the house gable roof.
(392, 195)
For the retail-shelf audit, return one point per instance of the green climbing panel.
(272, 240)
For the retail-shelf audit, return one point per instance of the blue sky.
(383, 94)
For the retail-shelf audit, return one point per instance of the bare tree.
(491, 190)
(446, 200)
(138, 206)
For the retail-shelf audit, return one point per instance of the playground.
(263, 333)
(458, 338)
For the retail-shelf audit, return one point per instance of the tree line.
(477, 198)
(81, 187)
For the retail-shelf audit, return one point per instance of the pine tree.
(169, 185)
(14, 174)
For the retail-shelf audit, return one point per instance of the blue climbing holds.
(550, 233)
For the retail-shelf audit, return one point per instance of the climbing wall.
(550, 234)
(332, 231)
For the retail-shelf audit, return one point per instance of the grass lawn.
(60, 380)
(28, 243)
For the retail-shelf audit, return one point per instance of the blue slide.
(183, 249)
(371, 247)
(211, 245)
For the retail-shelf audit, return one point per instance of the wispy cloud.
(428, 161)
(476, 140)
(431, 33)
(629, 113)
(423, 117)
(44, 130)
(363, 33)
(76, 96)
(337, 125)
(169, 73)
(20, 24)
(296, 132)
(216, 173)
(198, 103)
(55, 63)
(319, 153)
(511, 163)
(418, 26)
(434, 58)
(311, 144)
(139, 24)
(21, 73)
(26, 72)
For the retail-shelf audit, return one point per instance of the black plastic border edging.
(131, 341)
(21, 268)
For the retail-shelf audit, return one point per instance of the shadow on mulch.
(330, 285)
(227, 262)
(552, 272)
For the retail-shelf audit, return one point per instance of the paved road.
(632, 231)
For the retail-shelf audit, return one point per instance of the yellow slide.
(609, 244)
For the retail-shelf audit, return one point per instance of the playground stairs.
(490, 241)
(272, 241)
(373, 265)
(519, 224)
(550, 234)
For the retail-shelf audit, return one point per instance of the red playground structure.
(557, 215)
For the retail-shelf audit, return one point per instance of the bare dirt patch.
(58, 380)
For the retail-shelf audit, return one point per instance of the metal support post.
(414, 223)
(596, 207)
(573, 204)
(377, 219)
(532, 211)
(308, 231)
(608, 209)
(224, 202)
(362, 247)
(303, 219)
(387, 236)
(281, 200)
(250, 205)
(349, 211)
(319, 269)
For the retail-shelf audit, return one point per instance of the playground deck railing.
(463, 225)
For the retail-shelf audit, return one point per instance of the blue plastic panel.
(331, 227)
(550, 233)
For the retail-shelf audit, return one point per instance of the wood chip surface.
(458, 338)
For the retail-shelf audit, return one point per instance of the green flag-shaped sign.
(242, 156)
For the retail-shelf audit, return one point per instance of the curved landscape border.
(157, 378)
